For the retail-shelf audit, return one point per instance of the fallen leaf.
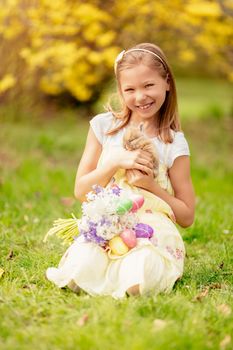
(83, 320)
(224, 309)
(67, 201)
(202, 295)
(218, 285)
(206, 290)
(10, 255)
(225, 342)
(158, 324)
(215, 285)
(1, 272)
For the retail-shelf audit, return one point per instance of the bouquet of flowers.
(109, 219)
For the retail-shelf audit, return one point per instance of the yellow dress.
(153, 264)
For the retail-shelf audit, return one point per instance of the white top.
(103, 122)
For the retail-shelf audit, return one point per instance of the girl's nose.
(140, 96)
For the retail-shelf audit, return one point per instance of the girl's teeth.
(145, 106)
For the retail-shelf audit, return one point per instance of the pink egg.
(129, 238)
(137, 202)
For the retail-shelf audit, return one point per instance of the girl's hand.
(137, 178)
(123, 159)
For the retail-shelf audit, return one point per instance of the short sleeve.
(100, 124)
(179, 147)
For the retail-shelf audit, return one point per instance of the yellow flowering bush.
(70, 45)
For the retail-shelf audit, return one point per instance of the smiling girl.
(147, 91)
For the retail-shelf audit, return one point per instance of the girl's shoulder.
(170, 151)
(101, 124)
(102, 118)
(178, 138)
(179, 147)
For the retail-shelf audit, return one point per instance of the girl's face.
(143, 91)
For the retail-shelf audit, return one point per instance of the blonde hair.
(155, 59)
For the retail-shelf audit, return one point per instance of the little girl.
(148, 94)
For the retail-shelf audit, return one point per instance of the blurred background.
(56, 72)
(59, 55)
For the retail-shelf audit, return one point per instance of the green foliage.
(37, 173)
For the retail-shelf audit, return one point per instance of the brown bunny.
(134, 138)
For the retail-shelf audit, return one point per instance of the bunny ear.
(118, 59)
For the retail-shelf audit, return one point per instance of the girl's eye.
(130, 89)
(149, 85)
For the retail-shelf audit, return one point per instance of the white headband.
(122, 53)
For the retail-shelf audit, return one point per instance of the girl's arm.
(184, 196)
(88, 174)
(183, 201)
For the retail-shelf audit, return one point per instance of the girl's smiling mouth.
(146, 106)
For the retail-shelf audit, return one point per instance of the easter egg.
(124, 206)
(117, 246)
(143, 231)
(129, 238)
(137, 202)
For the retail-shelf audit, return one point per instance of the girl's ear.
(168, 82)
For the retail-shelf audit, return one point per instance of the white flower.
(100, 210)
(83, 224)
(129, 220)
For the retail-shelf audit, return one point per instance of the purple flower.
(116, 190)
(105, 221)
(92, 224)
(97, 189)
(91, 236)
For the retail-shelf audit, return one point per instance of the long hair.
(168, 114)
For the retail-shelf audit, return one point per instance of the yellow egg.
(117, 246)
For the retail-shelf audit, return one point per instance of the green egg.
(124, 206)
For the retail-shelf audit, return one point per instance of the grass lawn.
(38, 165)
(201, 98)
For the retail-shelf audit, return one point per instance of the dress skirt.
(154, 264)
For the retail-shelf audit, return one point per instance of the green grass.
(201, 98)
(38, 165)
